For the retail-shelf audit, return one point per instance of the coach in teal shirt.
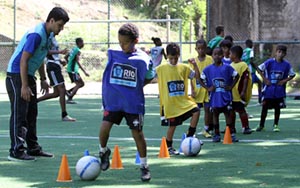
(21, 85)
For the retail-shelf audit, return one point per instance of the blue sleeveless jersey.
(123, 81)
(38, 54)
(156, 55)
(275, 72)
(220, 77)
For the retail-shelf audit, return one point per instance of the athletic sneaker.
(145, 173)
(276, 128)
(173, 151)
(68, 118)
(71, 101)
(216, 138)
(205, 133)
(258, 128)
(39, 153)
(247, 130)
(20, 157)
(104, 157)
(233, 138)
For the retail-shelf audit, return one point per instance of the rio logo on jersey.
(219, 83)
(176, 88)
(123, 74)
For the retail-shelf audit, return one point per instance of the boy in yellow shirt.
(199, 93)
(176, 105)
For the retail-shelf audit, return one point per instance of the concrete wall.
(260, 20)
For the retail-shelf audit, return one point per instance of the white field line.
(158, 139)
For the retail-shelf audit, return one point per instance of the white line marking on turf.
(157, 139)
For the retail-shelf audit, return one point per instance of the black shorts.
(238, 106)
(180, 119)
(74, 77)
(54, 74)
(201, 105)
(274, 103)
(225, 109)
(134, 121)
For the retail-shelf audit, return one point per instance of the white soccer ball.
(88, 168)
(191, 146)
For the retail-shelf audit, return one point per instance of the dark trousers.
(23, 114)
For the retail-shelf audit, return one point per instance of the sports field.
(263, 160)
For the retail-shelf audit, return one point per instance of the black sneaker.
(172, 151)
(247, 131)
(20, 157)
(39, 153)
(104, 157)
(145, 173)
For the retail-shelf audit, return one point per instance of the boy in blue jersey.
(276, 72)
(219, 79)
(128, 70)
(226, 45)
(21, 85)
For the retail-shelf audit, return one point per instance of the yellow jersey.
(201, 94)
(173, 89)
(241, 67)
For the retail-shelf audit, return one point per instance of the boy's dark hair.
(129, 30)
(226, 43)
(219, 29)
(218, 48)
(228, 37)
(201, 41)
(237, 50)
(78, 40)
(58, 13)
(281, 47)
(173, 49)
(249, 43)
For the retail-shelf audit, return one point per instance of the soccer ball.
(191, 146)
(88, 168)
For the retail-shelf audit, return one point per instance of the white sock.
(206, 127)
(143, 161)
(102, 149)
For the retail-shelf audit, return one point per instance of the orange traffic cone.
(64, 171)
(116, 162)
(227, 136)
(163, 152)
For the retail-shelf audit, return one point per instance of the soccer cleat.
(247, 130)
(145, 173)
(233, 138)
(68, 118)
(216, 138)
(276, 128)
(172, 151)
(258, 128)
(104, 158)
(205, 133)
(20, 157)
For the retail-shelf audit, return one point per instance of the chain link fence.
(249, 19)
